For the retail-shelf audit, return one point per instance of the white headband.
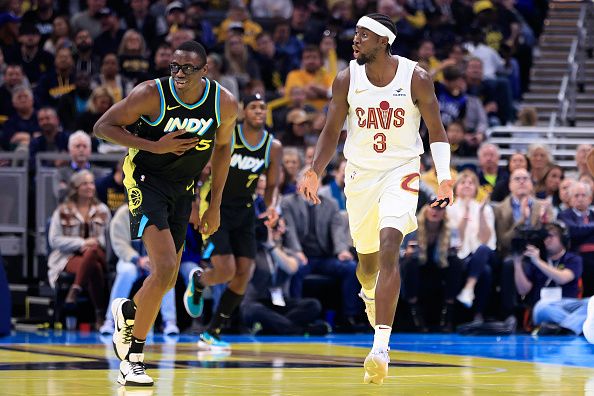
(377, 28)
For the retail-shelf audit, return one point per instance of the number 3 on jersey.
(379, 144)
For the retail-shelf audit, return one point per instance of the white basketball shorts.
(380, 199)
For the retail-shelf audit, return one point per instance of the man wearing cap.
(30, 55)
(383, 98)
(232, 248)
(42, 17)
(109, 40)
(9, 29)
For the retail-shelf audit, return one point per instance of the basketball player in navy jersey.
(173, 127)
(384, 97)
(255, 152)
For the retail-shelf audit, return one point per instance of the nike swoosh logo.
(238, 146)
(190, 186)
(358, 91)
(172, 107)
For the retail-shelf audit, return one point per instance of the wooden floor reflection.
(279, 368)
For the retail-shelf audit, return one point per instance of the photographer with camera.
(550, 283)
(520, 210)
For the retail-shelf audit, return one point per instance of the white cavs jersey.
(383, 122)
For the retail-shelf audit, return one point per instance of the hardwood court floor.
(80, 364)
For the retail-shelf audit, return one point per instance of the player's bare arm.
(143, 100)
(220, 160)
(272, 178)
(326, 146)
(273, 173)
(424, 96)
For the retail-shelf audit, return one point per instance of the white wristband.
(441, 153)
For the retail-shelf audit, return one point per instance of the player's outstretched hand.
(308, 186)
(169, 143)
(210, 221)
(445, 194)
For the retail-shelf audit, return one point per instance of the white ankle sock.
(381, 339)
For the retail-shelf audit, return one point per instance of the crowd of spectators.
(64, 63)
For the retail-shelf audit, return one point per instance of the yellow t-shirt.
(301, 78)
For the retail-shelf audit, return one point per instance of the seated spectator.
(267, 301)
(548, 188)
(13, 78)
(273, 64)
(217, 71)
(132, 56)
(456, 104)
(52, 138)
(312, 77)
(149, 25)
(74, 103)
(239, 16)
(85, 58)
(133, 263)
(488, 170)
(472, 226)
(579, 219)
(331, 63)
(34, 60)
(110, 188)
(197, 21)
(99, 102)
(111, 33)
(547, 280)
(459, 144)
(22, 126)
(565, 194)
(285, 36)
(296, 100)
(60, 36)
(495, 95)
(426, 54)
(87, 19)
(428, 249)
(77, 239)
(240, 59)
(501, 188)
(320, 243)
(335, 188)
(541, 160)
(519, 210)
(581, 161)
(299, 132)
(161, 61)
(58, 81)
(292, 164)
(79, 149)
(110, 78)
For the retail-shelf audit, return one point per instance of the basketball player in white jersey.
(383, 98)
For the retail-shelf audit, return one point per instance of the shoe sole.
(187, 295)
(589, 317)
(203, 346)
(123, 382)
(375, 371)
(114, 312)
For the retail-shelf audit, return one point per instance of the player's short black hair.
(386, 21)
(195, 47)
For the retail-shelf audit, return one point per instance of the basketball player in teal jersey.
(255, 152)
(173, 127)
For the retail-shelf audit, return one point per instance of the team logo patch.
(408, 180)
(134, 198)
